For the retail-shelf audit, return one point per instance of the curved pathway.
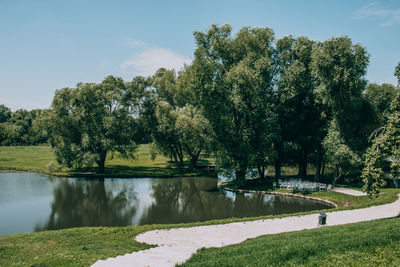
(350, 192)
(177, 245)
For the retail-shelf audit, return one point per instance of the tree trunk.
(318, 165)
(278, 166)
(176, 160)
(261, 172)
(303, 163)
(302, 169)
(278, 161)
(323, 168)
(101, 162)
(181, 156)
(192, 163)
(240, 179)
(336, 176)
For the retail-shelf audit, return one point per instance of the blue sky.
(47, 45)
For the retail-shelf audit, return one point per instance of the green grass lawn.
(37, 158)
(374, 243)
(84, 246)
(33, 158)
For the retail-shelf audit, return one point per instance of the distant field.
(37, 158)
(33, 158)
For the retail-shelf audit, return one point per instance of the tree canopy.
(382, 159)
(234, 83)
(87, 122)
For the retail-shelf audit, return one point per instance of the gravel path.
(350, 192)
(177, 245)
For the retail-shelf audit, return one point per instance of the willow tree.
(87, 122)
(234, 83)
(299, 114)
(340, 67)
(380, 97)
(385, 149)
(179, 129)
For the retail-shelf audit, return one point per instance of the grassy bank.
(37, 159)
(84, 246)
(374, 243)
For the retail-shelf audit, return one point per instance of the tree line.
(21, 127)
(249, 100)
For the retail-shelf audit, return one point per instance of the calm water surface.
(32, 202)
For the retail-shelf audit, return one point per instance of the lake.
(32, 202)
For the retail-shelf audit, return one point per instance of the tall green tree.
(385, 149)
(179, 128)
(340, 67)
(234, 83)
(194, 132)
(299, 114)
(91, 120)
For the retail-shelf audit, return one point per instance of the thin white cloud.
(135, 43)
(386, 16)
(149, 61)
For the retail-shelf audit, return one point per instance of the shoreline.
(105, 175)
(222, 187)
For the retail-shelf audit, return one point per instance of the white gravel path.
(350, 192)
(177, 245)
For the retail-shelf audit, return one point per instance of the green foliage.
(339, 68)
(91, 120)
(385, 148)
(21, 127)
(53, 167)
(194, 132)
(5, 114)
(234, 83)
(179, 128)
(300, 120)
(338, 152)
(380, 97)
(397, 73)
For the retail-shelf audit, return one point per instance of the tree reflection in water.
(80, 203)
(192, 199)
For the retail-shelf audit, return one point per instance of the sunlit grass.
(374, 243)
(37, 159)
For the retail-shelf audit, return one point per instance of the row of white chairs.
(301, 185)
